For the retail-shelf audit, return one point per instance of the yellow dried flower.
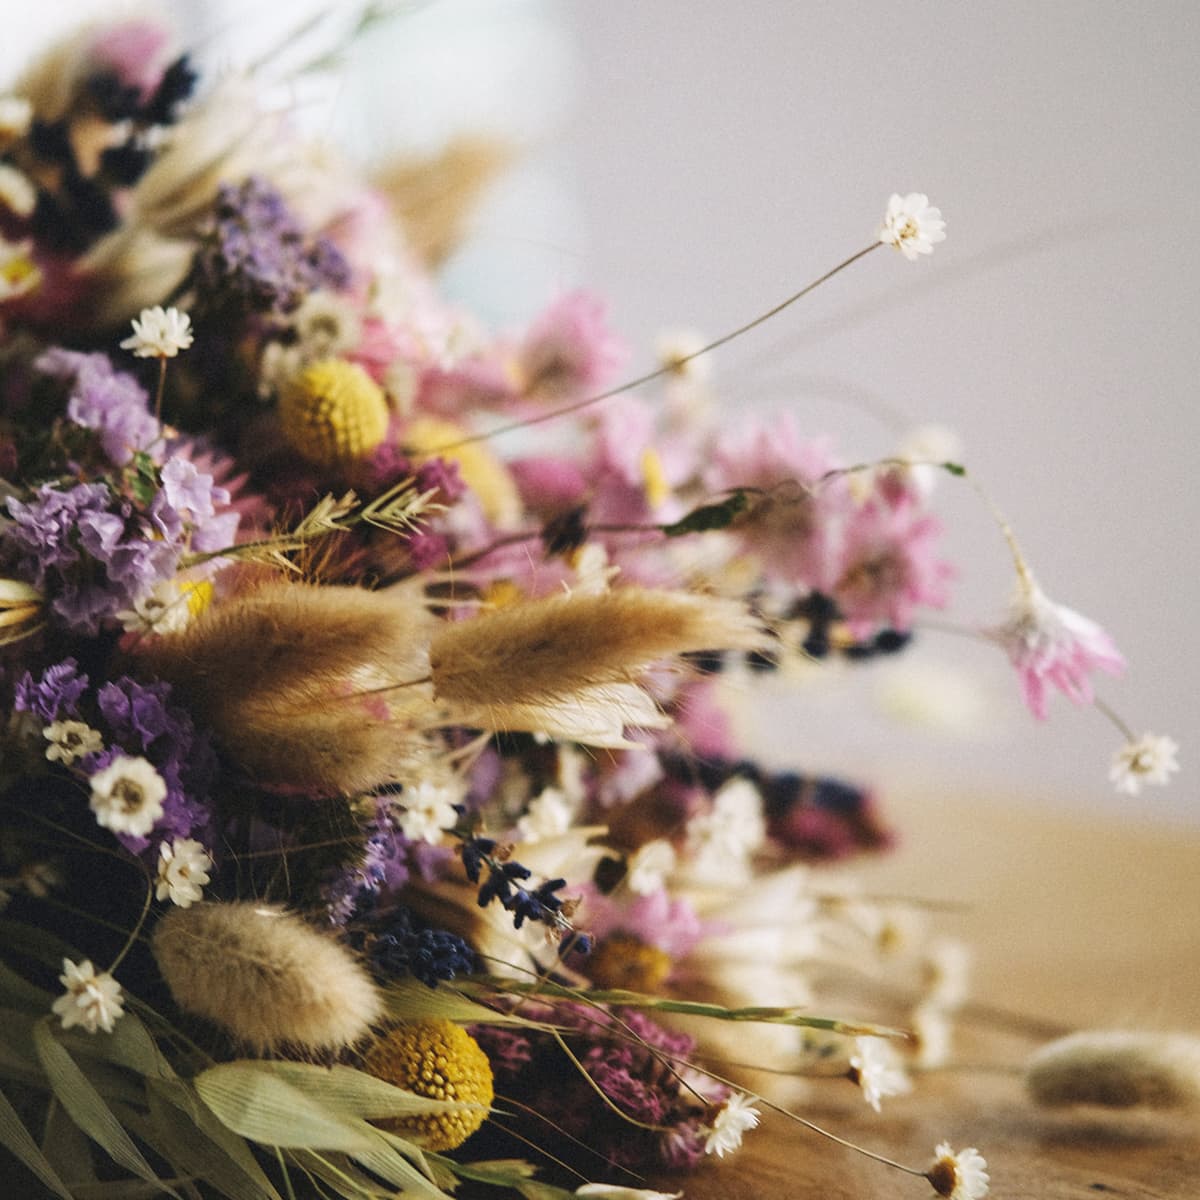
(438, 1059)
(624, 961)
(333, 412)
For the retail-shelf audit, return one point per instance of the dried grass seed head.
(1117, 1070)
(288, 677)
(265, 976)
(551, 648)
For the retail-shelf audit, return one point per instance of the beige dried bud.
(265, 976)
(298, 683)
(537, 651)
(1117, 1070)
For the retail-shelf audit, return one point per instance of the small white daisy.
(732, 1120)
(675, 348)
(549, 815)
(128, 795)
(183, 869)
(649, 867)
(16, 115)
(159, 333)
(961, 1176)
(17, 192)
(71, 741)
(877, 1070)
(165, 609)
(1152, 758)
(91, 1000)
(428, 810)
(911, 225)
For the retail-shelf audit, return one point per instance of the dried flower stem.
(135, 932)
(666, 369)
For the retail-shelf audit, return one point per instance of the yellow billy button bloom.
(440, 1060)
(333, 412)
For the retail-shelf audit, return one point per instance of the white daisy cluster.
(128, 795)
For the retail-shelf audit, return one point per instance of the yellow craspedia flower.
(441, 1060)
(480, 469)
(333, 412)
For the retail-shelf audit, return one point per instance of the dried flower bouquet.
(370, 824)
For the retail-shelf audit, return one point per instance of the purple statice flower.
(140, 719)
(187, 504)
(105, 400)
(384, 866)
(255, 254)
(55, 694)
(84, 548)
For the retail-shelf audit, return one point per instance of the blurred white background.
(696, 162)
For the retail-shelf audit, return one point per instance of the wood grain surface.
(1076, 923)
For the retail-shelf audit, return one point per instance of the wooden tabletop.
(1076, 922)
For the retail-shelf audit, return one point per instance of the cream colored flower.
(128, 795)
(731, 1122)
(91, 1000)
(649, 867)
(183, 869)
(877, 1070)
(159, 333)
(428, 810)
(961, 1176)
(16, 114)
(17, 192)
(549, 815)
(911, 225)
(71, 741)
(1152, 758)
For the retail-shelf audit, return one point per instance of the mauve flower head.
(60, 537)
(1053, 646)
(142, 719)
(187, 503)
(569, 349)
(105, 400)
(792, 528)
(888, 566)
(55, 694)
(255, 253)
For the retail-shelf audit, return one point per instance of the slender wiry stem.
(158, 395)
(137, 929)
(659, 372)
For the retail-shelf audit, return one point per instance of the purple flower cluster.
(384, 866)
(255, 255)
(504, 884)
(53, 696)
(105, 400)
(137, 719)
(186, 507)
(634, 1062)
(431, 955)
(86, 549)
(94, 554)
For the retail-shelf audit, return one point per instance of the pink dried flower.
(889, 566)
(569, 349)
(1052, 645)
